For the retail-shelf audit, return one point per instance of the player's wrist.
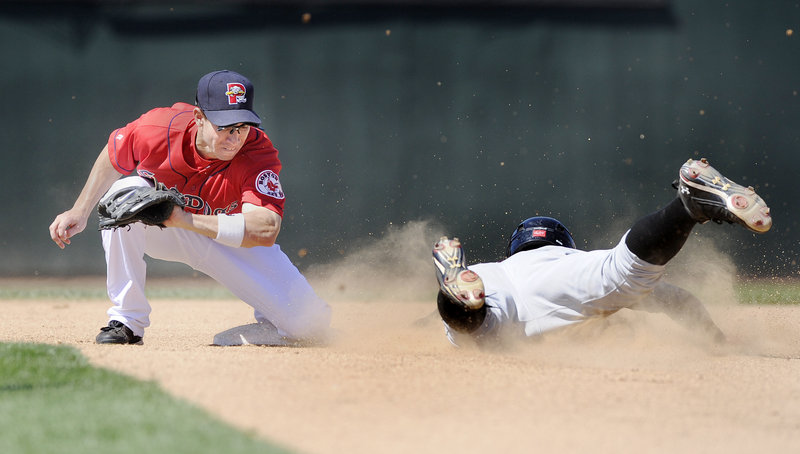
(230, 229)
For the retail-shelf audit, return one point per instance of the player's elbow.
(253, 240)
(261, 228)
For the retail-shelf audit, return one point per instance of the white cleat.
(710, 196)
(455, 280)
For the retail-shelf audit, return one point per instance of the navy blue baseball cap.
(226, 98)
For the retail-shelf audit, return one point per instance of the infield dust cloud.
(395, 267)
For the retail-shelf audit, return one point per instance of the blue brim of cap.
(232, 117)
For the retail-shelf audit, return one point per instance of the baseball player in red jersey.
(228, 171)
(545, 283)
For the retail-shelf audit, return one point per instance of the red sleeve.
(150, 133)
(262, 185)
(120, 149)
(264, 189)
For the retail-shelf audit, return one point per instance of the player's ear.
(198, 115)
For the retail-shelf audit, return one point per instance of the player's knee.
(457, 317)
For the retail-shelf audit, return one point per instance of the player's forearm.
(685, 308)
(260, 229)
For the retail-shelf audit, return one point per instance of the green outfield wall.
(472, 118)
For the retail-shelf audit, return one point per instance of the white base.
(252, 334)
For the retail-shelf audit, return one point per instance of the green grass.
(768, 291)
(53, 401)
(82, 291)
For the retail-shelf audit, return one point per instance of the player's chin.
(224, 154)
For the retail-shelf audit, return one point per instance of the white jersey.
(551, 287)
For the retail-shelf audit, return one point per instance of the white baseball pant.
(262, 277)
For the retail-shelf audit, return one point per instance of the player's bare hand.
(65, 226)
(178, 218)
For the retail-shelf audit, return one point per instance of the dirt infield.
(391, 383)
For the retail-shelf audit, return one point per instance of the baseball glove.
(151, 206)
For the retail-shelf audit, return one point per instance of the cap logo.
(539, 233)
(236, 93)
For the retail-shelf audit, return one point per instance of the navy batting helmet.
(536, 232)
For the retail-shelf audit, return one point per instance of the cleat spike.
(463, 286)
(708, 195)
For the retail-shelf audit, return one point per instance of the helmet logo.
(539, 233)
(236, 93)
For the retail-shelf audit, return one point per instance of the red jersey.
(161, 144)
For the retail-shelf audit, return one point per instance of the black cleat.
(710, 196)
(455, 280)
(117, 333)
